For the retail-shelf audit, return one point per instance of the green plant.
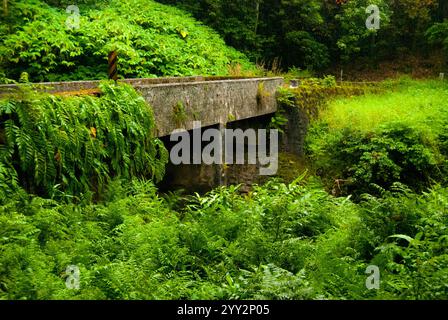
(411, 236)
(278, 242)
(329, 82)
(156, 40)
(231, 117)
(278, 122)
(76, 145)
(353, 39)
(179, 114)
(262, 95)
(438, 34)
(359, 144)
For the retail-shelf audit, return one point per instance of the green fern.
(79, 143)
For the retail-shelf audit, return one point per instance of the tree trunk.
(257, 17)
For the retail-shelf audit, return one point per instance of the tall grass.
(377, 139)
(415, 103)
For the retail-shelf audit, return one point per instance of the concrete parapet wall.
(178, 102)
(211, 102)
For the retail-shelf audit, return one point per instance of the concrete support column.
(221, 169)
(293, 139)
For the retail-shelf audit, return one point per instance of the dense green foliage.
(375, 140)
(438, 34)
(279, 242)
(316, 33)
(159, 40)
(78, 174)
(155, 40)
(72, 145)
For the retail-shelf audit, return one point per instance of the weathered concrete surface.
(295, 131)
(211, 102)
(67, 86)
(178, 102)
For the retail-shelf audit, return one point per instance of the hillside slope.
(151, 39)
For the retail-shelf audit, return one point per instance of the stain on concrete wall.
(211, 102)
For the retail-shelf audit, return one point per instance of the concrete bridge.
(178, 102)
(218, 102)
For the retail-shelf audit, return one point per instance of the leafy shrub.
(9, 183)
(279, 242)
(155, 40)
(74, 145)
(314, 54)
(357, 156)
(438, 34)
(133, 247)
(394, 153)
(414, 256)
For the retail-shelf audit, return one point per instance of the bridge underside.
(206, 177)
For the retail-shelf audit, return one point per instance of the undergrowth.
(279, 242)
(365, 143)
(155, 40)
(71, 146)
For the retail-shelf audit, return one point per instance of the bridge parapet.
(178, 102)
